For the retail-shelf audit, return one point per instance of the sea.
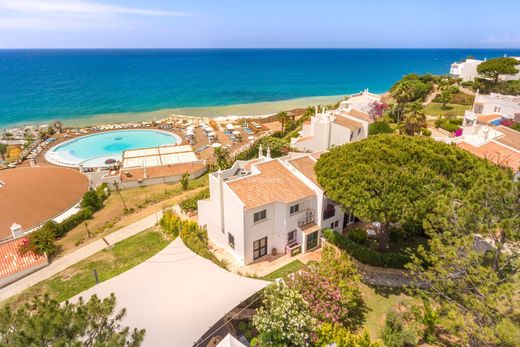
(38, 86)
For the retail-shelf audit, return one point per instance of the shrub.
(185, 181)
(456, 121)
(358, 235)
(366, 254)
(191, 203)
(426, 132)
(41, 241)
(379, 127)
(73, 221)
(449, 127)
(92, 200)
(396, 334)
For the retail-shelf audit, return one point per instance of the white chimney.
(268, 154)
(260, 151)
(16, 230)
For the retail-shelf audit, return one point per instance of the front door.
(311, 241)
(259, 248)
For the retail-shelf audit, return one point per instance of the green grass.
(284, 270)
(435, 109)
(109, 262)
(379, 300)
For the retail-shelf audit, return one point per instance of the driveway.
(176, 295)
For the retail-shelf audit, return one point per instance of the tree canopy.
(46, 322)
(397, 179)
(492, 68)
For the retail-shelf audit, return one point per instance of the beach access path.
(78, 255)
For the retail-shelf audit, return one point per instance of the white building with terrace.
(332, 128)
(467, 70)
(362, 101)
(493, 105)
(268, 206)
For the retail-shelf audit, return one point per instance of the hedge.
(365, 254)
(191, 203)
(193, 236)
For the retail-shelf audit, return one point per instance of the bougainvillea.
(331, 289)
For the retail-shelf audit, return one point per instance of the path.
(78, 255)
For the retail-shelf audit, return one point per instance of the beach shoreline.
(258, 109)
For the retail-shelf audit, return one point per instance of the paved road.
(78, 255)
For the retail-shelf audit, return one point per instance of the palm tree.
(402, 93)
(185, 181)
(3, 150)
(222, 156)
(283, 117)
(415, 118)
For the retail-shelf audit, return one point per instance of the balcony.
(329, 212)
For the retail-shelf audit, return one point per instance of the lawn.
(435, 109)
(379, 300)
(284, 270)
(109, 262)
(140, 201)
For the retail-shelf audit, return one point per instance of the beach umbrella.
(251, 137)
(236, 132)
(230, 127)
(216, 145)
(110, 161)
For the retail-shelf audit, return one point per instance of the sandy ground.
(253, 109)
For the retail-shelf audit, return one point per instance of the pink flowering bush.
(330, 287)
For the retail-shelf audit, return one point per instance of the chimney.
(268, 154)
(16, 230)
(260, 151)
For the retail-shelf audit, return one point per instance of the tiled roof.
(11, 261)
(488, 118)
(495, 152)
(274, 183)
(360, 115)
(511, 137)
(306, 166)
(160, 171)
(348, 123)
(310, 228)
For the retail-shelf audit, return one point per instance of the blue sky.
(259, 23)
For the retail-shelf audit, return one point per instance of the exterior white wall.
(505, 105)
(466, 70)
(362, 101)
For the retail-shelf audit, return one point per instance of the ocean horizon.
(85, 86)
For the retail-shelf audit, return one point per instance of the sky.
(259, 23)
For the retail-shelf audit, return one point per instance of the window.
(259, 248)
(259, 216)
(291, 236)
(294, 208)
(231, 240)
(359, 131)
(334, 225)
(312, 240)
(351, 135)
(329, 212)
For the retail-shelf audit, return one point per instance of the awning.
(309, 228)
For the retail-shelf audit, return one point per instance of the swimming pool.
(96, 149)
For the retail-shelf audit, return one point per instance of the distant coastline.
(250, 109)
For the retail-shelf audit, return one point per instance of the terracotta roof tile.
(160, 171)
(11, 261)
(274, 183)
(360, 115)
(348, 123)
(306, 166)
(511, 137)
(494, 152)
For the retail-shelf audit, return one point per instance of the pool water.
(94, 149)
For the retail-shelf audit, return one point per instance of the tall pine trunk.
(384, 236)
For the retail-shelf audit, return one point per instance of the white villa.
(362, 101)
(467, 70)
(269, 206)
(493, 105)
(331, 128)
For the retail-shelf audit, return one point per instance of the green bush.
(41, 241)
(191, 203)
(449, 127)
(456, 121)
(396, 333)
(358, 235)
(73, 221)
(380, 127)
(91, 200)
(366, 254)
(467, 84)
(193, 236)
(426, 132)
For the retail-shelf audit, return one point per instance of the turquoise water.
(110, 144)
(42, 85)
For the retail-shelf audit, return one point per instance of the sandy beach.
(253, 109)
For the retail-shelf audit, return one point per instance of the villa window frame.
(231, 240)
(311, 240)
(291, 236)
(260, 248)
(293, 209)
(260, 216)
